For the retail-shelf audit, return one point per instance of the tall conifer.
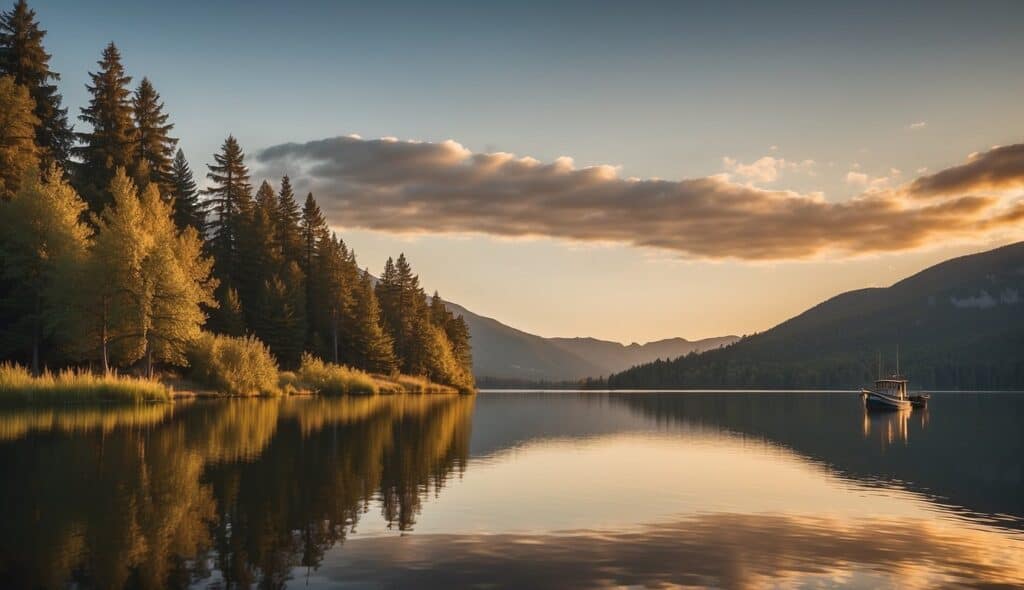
(229, 199)
(110, 143)
(23, 57)
(289, 223)
(189, 211)
(154, 146)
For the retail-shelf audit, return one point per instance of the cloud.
(417, 187)
(766, 169)
(1000, 168)
(871, 183)
(917, 125)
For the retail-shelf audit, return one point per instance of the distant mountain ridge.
(958, 324)
(504, 354)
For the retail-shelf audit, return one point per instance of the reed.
(331, 379)
(18, 385)
(234, 366)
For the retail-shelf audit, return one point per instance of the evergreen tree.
(229, 198)
(18, 152)
(331, 281)
(188, 210)
(153, 145)
(372, 347)
(281, 323)
(40, 232)
(228, 319)
(110, 144)
(23, 57)
(313, 230)
(258, 258)
(289, 223)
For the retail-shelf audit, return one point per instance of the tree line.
(112, 255)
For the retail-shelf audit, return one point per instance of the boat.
(887, 394)
(920, 400)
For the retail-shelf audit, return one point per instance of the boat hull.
(879, 401)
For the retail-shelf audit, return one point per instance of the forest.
(112, 258)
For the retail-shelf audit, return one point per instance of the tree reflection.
(250, 488)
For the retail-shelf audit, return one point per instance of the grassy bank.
(330, 379)
(19, 386)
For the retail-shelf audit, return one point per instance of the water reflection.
(233, 492)
(533, 490)
(706, 550)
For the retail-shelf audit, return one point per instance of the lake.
(516, 489)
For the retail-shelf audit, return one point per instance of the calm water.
(532, 490)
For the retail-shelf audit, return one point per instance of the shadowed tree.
(110, 143)
(229, 199)
(188, 210)
(23, 57)
(289, 223)
(154, 147)
(373, 350)
(40, 232)
(313, 230)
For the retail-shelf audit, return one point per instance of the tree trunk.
(103, 340)
(149, 359)
(335, 335)
(36, 336)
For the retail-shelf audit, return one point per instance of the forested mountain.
(111, 257)
(502, 354)
(958, 324)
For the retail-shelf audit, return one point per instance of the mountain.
(615, 357)
(505, 354)
(959, 324)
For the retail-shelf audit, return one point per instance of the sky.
(628, 171)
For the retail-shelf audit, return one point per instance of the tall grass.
(235, 366)
(18, 385)
(331, 379)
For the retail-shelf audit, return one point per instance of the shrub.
(17, 384)
(331, 379)
(236, 366)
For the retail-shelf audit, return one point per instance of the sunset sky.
(629, 171)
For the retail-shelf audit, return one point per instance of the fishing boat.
(887, 394)
(891, 393)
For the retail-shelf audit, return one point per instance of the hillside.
(959, 323)
(505, 354)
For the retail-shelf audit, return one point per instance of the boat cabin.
(894, 387)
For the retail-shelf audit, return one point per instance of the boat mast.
(897, 359)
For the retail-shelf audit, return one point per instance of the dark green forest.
(112, 257)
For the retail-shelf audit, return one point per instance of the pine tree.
(289, 223)
(373, 349)
(153, 144)
(282, 323)
(313, 230)
(258, 258)
(110, 144)
(23, 57)
(230, 200)
(188, 210)
(18, 152)
(331, 283)
(40, 232)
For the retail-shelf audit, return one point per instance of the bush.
(331, 379)
(17, 384)
(236, 366)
